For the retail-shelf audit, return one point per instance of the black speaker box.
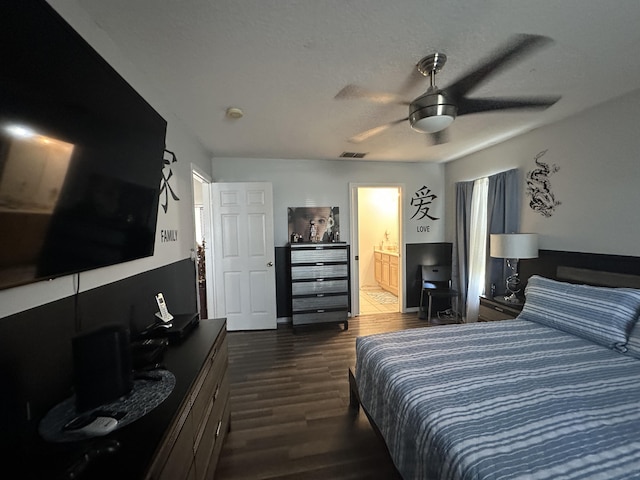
(102, 366)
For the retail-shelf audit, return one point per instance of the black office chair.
(436, 282)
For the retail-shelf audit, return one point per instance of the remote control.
(92, 425)
(100, 426)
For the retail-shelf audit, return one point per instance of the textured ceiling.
(283, 62)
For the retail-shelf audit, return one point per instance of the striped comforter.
(501, 400)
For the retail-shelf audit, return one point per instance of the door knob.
(270, 264)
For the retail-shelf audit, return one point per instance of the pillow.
(633, 344)
(602, 315)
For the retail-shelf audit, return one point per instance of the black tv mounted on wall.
(81, 153)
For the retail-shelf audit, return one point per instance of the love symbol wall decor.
(422, 204)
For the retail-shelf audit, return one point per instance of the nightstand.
(492, 309)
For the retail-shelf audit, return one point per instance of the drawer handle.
(218, 428)
(320, 311)
(499, 309)
(320, 295)
(319, 279)
(319, 264)
(213, 355)
(215, 394)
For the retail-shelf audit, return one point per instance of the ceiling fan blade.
(366, 135)
(351, 92)
(514, 50)
(438, 138)
(477, 105)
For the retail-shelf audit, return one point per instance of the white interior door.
(202, 222)
(244, 273)
(355, 253)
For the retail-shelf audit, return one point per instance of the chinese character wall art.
(421, 202)
(541, 198)
(165, 189)
(314, 224)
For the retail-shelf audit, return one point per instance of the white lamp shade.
(514, 245)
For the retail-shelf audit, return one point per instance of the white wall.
(300, 183)
(179, 215)
(598, 152)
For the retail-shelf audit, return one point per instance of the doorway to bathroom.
(377, 249)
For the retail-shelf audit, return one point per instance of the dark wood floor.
(289, 405)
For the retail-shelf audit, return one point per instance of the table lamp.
(513, 247)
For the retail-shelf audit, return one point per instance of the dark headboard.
(549, 262)
(597, 277)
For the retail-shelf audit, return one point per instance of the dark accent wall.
(549, 260)
(283, 280)
(418, 254)
(35, 345)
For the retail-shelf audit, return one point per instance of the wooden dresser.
(193, 442)
(181, 438)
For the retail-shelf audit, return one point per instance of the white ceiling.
(283, 62)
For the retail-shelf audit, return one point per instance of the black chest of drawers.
(320, 278)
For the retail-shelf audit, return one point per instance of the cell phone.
(164, 314)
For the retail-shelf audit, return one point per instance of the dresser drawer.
(319, 254)
(318, 271)
(221, 428)
(180, 459)
(490, 310)
(487, 314)
(320, 301)
(209, 379)
(319, 317)
(211, 429)
(319, 286)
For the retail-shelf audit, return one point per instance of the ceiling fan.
(436, 109)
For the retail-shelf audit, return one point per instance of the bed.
(553, 394)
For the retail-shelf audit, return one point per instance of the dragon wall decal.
(541, 198)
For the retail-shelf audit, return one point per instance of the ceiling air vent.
(352, 155)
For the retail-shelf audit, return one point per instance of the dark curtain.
(460, 255)
(503, 216)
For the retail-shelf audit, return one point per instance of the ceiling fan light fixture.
(436, 109)
(433, 118)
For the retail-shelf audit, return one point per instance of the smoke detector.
(233, 112)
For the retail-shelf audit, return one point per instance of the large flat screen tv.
(81, 153)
